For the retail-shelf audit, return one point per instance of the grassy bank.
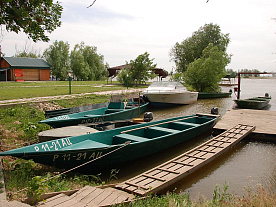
(18, 90)
(19, 127)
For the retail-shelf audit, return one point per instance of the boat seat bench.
(108, 111)
(187, 123)
(121, 138)
(164, 129)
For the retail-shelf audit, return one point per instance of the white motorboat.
(161, 93)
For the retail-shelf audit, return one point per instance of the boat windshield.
(166, 85)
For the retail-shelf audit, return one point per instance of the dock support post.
(70, 84)
(239, 85)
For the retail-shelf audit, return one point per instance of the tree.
(205, 73)
(125, 78)
(28, 51)
(192, 48)
(250, 71)
(142, 68)
(27, 55)
(57, 55)
(86, 63)
(35, 18)
(231, 73)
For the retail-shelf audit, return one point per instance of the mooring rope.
(125, 144)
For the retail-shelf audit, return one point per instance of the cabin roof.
(27, 63)
(115, 70)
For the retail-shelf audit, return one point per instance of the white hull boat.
(169, 93)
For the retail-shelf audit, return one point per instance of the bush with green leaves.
(137, 71)
(205, 73)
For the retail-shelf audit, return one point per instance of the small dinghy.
(254, 103)
(114, 112)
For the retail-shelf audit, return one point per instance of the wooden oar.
(130, 130)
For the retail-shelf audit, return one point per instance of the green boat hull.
(100, 115)
(253, 103)
(209, 95)
(110, 146)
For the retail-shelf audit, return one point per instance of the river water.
(246, 166)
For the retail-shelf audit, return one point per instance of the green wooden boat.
(114, 112)
(59, 112)
(253, 103)
(117, 146)
(208, 95)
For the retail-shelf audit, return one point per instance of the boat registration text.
(54, 145)
(77, 156)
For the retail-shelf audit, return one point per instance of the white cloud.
(123, 29)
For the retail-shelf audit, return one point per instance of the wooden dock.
(264, 120)
(157, 179)
(172, 171)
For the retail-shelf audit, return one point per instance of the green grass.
(83, 101)
(20, 124)
(220, 198)
(18, 90)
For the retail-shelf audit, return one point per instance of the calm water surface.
(246, 166)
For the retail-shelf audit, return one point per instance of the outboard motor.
(148, 116)
(215, 111)
(266, 95)
(145, 98)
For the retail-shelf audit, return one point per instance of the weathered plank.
(114, 197)
(54, 201)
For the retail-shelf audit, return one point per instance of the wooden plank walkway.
(172, 171)
(89, 196)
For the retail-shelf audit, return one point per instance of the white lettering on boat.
(54, 145)
(64, 144)
(45, 147)
(68, 141)
(58, 143)
(63, 117)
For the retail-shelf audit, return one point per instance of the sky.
(123, 29)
